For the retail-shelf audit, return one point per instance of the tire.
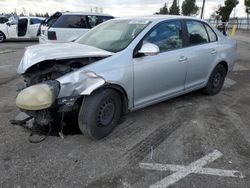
(100, 113)
(216, 80)
(2, 37)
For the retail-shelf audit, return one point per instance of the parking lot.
(190, 141)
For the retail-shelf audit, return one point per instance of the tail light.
(52, 35)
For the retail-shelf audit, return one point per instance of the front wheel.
(215, 81)
(100, 113)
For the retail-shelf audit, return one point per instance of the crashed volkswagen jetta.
(120, 66)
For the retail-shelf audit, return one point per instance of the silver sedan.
(120, 66)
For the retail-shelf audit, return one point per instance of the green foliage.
(163, 10)
(189, 7)
(226, 10)
(46, 15)
(174, 9)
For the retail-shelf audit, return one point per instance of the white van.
(68, 26)
(19, 28)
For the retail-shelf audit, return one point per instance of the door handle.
(182, 59)
(213, 51)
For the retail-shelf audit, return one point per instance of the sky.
(117, 8)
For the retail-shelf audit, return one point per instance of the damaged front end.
(39, 100)
(48, 99)
(54, 88)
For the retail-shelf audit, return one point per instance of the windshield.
(114, 35)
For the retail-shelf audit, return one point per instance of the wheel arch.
(224, 64)
(121, 91)
(4, 35)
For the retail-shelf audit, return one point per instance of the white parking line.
(195, 167)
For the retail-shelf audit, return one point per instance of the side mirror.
(149, 49)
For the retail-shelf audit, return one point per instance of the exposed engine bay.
(53, 69)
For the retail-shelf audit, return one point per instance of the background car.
(20, 28)
(123, 65)
(68, 26)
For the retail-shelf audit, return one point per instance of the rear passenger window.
(71, 21)
(92, 21)
(35, 21)
(211, 34)
(196, 33)
(104, 18)
(96, 20)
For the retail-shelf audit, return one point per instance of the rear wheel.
(2, 37)
(215, 81)
(100, 113)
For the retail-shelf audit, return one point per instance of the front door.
(22, 27)
(12, 30)
(159, 76)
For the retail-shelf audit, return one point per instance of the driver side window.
(167, 36)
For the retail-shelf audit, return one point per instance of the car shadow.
(69, 125)
(20, 40)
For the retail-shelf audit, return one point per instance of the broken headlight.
(38, 97)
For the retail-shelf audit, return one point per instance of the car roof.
(41, 18)
(157, 18)
(85, 13)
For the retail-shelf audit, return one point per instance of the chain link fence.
(241, 23)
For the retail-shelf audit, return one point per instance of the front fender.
(79, 83)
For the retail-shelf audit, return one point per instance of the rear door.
(33, 27)
(202, 53)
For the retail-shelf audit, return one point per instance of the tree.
(189, 7)
(163, 10)
(247, 4)
(46, 15)
(215, 16)
(225, 11)
(174, 9)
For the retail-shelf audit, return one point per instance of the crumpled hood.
(42, 52)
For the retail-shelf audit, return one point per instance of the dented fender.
(79, 83)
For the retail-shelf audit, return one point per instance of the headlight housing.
(38, 97)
